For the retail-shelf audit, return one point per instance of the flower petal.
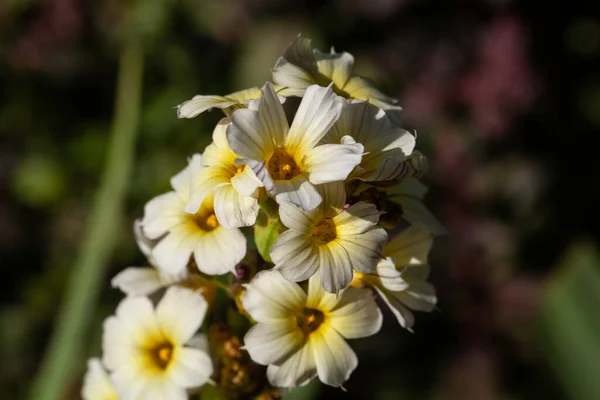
(203, 183)
(130, 380)
(415, 212)
(298, 191)
(233, 210)
(296, 370)
(173, 252)
(137, 281)
(365, 250)
(335, 66)
(318, 298)
(247, 137)
(269, 297)
(180, 313)
(356, 315)
(388, 276)
(218, 251)
(96, 384)
(273, 342)
(181, 181)
(318, 111)
(335, 267)
(295, 256)
(294, 69)
(199, 104)
(297, 219)
(190, 367)
(332, 162)
(161, 214)
(271, 115)
(410, 247)
(404, 316)
(334, 358)
(162, 388)
(246, 182)
(357, 219)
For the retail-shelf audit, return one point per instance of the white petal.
(96, 385)
(410, 247)
(271, 115)
(365, 250)
(318, 298)
(129, 381)
(335, 66)
(246, 182)
(162, 388)
(332, 162)
(138, 281)
(161, 214)
(296, 370)
(389, 277)
(273, 342)
(181, 181)
(219, 251)
(259, 169)
(173, 252)
(357, 219)
(269, 297)
(295, 256)
(295, 68)
(233, 210)
(405, 318)
(199, 104)
(144, 244)
(334, 197)
(334, 358)
(203, 183)
(190, 368)
(180, 313)
(297, 219)
(335, 267)
(356, 315)
(247, 136)
(318, 111)
(298, 191)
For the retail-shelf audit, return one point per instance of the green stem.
(66, 346)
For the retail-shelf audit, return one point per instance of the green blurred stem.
(66, 347)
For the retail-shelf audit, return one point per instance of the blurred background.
(504, 95)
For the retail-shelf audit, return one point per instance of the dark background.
(504, 96)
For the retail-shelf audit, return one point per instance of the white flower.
(152, 353)
(300, 335)
(233, 185)
(301, 66)
(96, 385)
(409, 194)
(287, 159)
(216, 250)
(401, 278)
(386, 146)
(329, 239)
(142, 281)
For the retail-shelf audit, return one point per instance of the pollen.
(310, 320)
(212, 222)
(162, 354)
(324, 231)
(282, 166)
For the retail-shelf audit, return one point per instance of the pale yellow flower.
(302, 66)
(301, 334)
(233, 185)
(152, 353)
(401, 278)
(181, 235)
(96, 384)
(201, 103)
(287, 159)
(386, 146)
(329, 239)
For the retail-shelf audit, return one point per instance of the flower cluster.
(318, 165)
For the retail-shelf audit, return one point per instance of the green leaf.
(266, 232)
(569, 322)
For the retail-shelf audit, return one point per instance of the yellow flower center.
(324, 231)
(239, 170)
(282, 166)
(204, 220)
(310, 320)
(162, 355)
